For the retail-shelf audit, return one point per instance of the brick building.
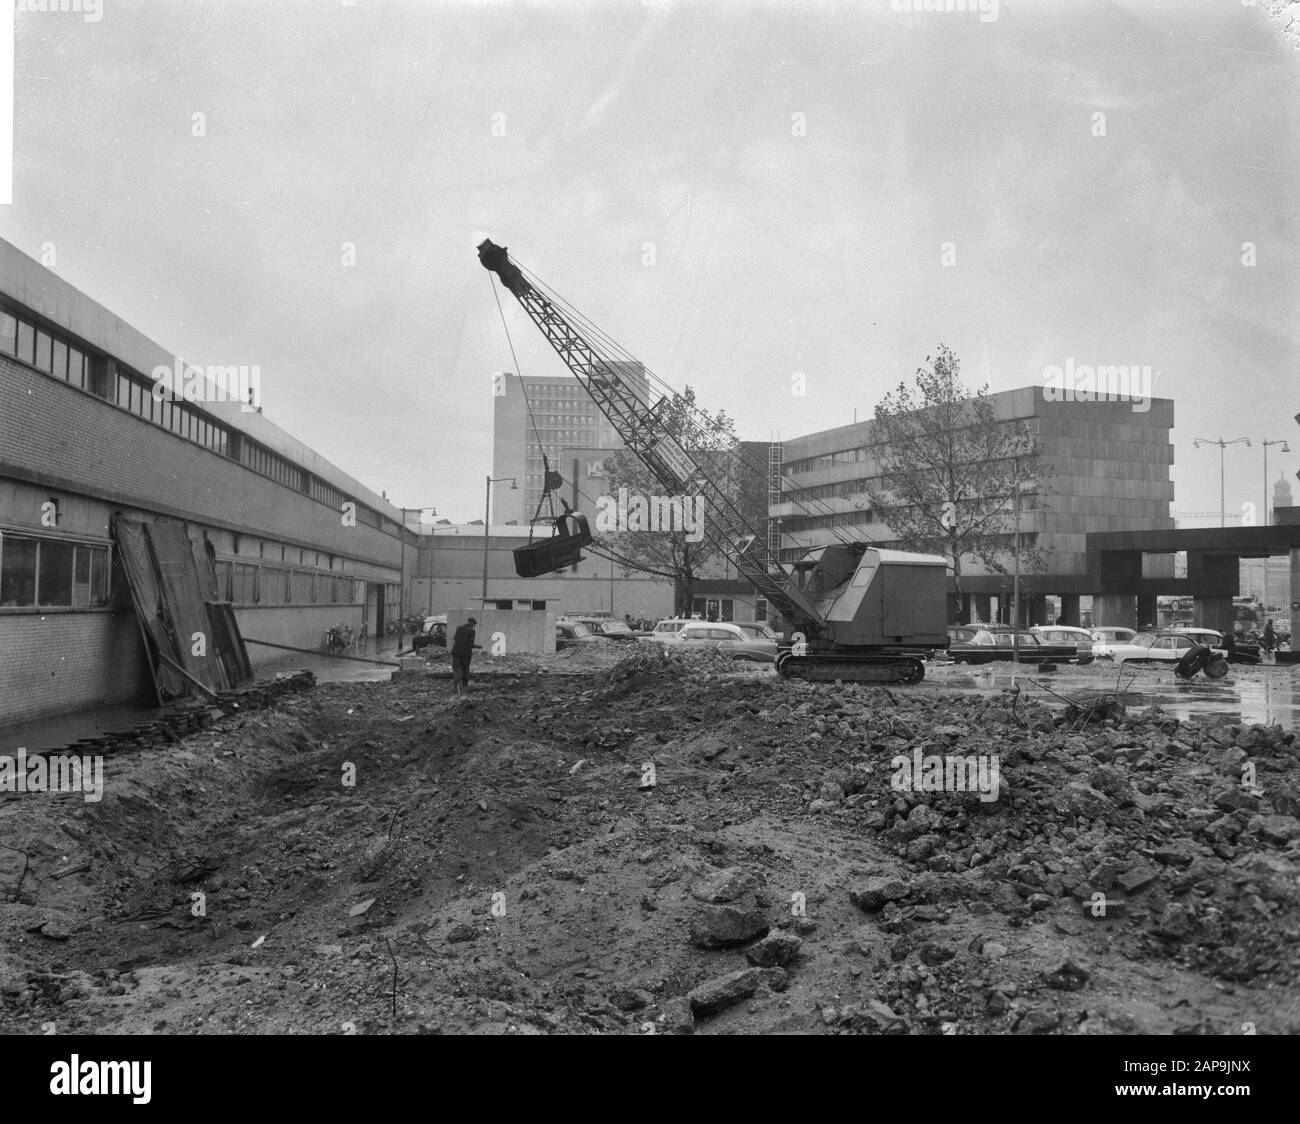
(299, 544)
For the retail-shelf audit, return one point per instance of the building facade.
(565, 416)
(450, 575)
(86, 432)
(1109, 471)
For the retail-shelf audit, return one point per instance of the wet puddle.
(1267, 693)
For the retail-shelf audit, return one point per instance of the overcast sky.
(797, 167)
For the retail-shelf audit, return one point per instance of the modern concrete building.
(566, 417)
(86, 432)
(1110, 466)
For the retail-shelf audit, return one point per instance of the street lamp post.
(487, 506)
(1196, 444)
(1286, 449)
(1015, 582)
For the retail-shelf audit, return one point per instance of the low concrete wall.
(507, 631)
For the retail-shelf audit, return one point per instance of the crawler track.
(851, 668)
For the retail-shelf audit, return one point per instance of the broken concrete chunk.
(677, 1017)
(1068, 977)
(1135, 879)
(726, 926)
(775, 950)
(716, 995)
(723, 885)
(875, 892)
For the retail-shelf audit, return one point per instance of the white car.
(1159, 647)
(1081, 638)
(668, 629)
(1107, 635)
(742, 642)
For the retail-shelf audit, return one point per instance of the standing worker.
(462, 650)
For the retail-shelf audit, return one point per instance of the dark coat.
(462, 644)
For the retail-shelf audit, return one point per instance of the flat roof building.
(87, 432)
(566, 417)
(1110, 465)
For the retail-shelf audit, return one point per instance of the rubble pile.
(668, 844)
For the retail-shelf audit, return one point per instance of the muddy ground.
(499, 863)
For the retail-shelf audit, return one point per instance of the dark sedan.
(987, 645)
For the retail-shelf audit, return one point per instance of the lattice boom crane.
(841, 625)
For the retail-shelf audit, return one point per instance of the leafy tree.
(711, 442)
(949, 469)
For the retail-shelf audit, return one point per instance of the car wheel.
(1217, 668)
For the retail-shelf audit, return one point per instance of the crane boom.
(863, 614)
(643, 430)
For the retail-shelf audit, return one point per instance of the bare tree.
(951, 469)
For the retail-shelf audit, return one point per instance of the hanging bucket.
(561, 550)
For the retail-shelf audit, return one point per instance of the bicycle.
(339, 638)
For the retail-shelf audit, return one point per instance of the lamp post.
(1015, 581)
(1196, 444)
(487, 505)
(1286, 449)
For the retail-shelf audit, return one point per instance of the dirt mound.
(667, 845)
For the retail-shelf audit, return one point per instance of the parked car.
(1110, 634)
(737, 641)
(1081, 638)
(670, 627)
(608, 627)
(1168, 646)
(1241, 651)
(988, 645)
(432, 634)
(574, 634)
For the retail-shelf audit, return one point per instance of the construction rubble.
(663, 846)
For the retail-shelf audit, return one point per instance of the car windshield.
(1145, 640)
(614, 626)
(757, 631)
(580, 629)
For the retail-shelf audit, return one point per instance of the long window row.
(181, 419)
(794, 523)
(263, 461)
(248, 583)
(49, 573)
(61, 358)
